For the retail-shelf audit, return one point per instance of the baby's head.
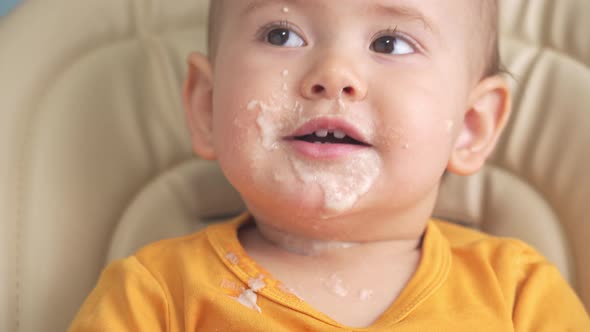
(349, 109)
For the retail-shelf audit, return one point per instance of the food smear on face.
(343, 181)
(273, 120)
(450, 125)
(341, 103)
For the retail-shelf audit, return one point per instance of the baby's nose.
(331, 80)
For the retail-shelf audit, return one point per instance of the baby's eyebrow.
(402, 11)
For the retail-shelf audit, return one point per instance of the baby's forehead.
(439, 12)
(474, 20)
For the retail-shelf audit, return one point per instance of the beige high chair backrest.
(95, 158)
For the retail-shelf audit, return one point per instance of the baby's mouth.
(325, 136)
(329, 131)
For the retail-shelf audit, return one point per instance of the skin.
(407, 103)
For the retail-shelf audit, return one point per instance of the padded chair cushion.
(178, 202)
(91, 113)
(96, 159)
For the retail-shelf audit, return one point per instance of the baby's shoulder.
(470, 243)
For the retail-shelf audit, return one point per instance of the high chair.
(95, 158)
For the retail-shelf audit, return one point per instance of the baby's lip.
(331, 125)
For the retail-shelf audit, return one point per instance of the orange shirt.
(466, 281)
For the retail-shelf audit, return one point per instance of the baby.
(335, 121)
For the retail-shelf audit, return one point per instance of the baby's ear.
(489, 110)
(198, 100)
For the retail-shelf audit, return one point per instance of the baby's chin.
(296, 203)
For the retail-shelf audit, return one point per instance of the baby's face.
(328, 108)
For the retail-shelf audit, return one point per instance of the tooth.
(321, 133)
(338, 134)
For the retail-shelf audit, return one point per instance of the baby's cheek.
(417, 148)
(435, 140)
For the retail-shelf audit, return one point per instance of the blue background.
(7, 5)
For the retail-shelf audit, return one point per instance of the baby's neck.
(301, 245)
(306, 246)
(351, 282)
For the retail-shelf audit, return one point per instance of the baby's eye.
(392, 45)
(284, 37)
